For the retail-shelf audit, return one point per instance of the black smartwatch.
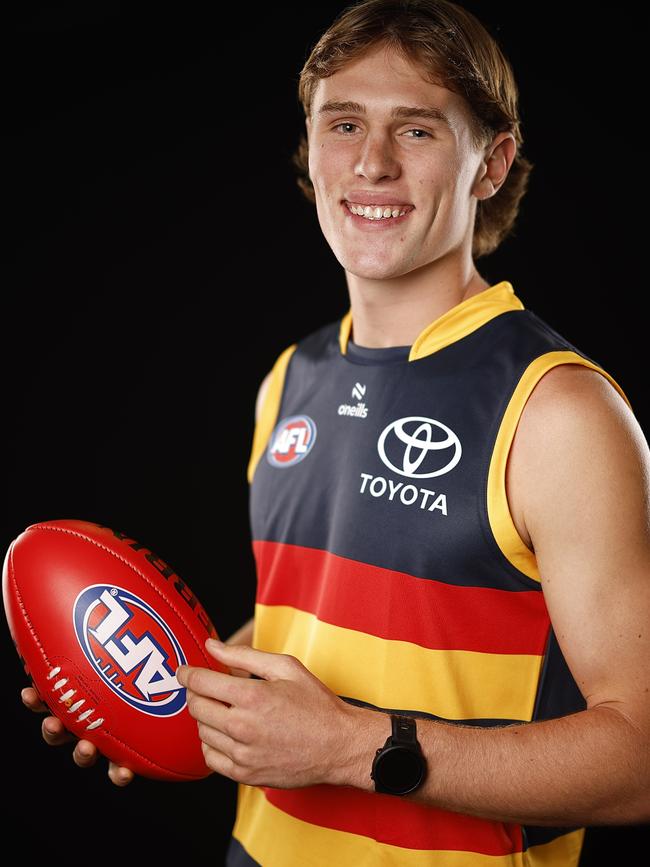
(399, 767)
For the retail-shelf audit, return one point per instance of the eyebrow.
(399, 111)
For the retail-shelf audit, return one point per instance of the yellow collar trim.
(456, 323)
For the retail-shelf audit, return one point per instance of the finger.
(218, 685)
(218, 762)
(214, 684)
(269, 666)
(118, 775)
(215, 739)
(54, 732)
(31, 699)
(207, 710)
(84, 754)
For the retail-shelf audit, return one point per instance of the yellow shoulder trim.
(457, 322)
(344, 330)
(503, 527)
(465, 318)
(269, 410)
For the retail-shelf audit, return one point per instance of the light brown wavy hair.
(453, 49)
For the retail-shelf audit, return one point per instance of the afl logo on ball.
(131, 648)
(419, 447)
(291, 441)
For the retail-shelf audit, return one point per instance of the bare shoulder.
(261, 395)
(569, 379)
(568, 400)
(575, 432)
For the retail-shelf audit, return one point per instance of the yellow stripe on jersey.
(454, 684)
(269, 411)
(503, 527)
(564, 850)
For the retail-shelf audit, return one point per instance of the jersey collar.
(456, 323)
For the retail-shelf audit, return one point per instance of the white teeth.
(376, 212)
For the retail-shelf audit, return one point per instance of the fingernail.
(214, 642)
(85, 751)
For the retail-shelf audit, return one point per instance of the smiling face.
(377, 154)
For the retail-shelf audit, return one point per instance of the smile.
(387, 213)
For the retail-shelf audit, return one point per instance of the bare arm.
(581, 467)
(244, 635)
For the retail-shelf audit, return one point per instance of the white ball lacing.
(73, 708)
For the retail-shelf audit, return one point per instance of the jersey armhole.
(500, 519)
(269, 409)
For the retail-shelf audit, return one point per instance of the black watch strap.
(404, 730)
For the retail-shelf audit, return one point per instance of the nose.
(376, 158)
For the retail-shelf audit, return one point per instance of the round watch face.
(400, 768)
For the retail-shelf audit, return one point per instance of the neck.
(393, 312)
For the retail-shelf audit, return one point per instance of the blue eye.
(423, 132)
(345, 123)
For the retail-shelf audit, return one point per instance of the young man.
(449, 506)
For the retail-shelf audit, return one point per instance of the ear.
(495, 166)
(308, 126)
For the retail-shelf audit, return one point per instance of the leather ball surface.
(101, 624)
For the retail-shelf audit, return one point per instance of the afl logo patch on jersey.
(419, 447)
(131, 648)
(291, 441)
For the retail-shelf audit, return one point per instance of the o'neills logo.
(291, 441)
(359, 410)
(418, 447)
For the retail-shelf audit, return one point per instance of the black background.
(158, 258)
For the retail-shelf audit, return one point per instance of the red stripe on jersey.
(390, 819)
(435, 615)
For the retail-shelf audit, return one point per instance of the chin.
(372, 269)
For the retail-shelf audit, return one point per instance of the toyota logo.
(415, 441)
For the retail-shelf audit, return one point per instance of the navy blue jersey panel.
(558, 693)
(396, 472)
(237, 856)
(538, 835)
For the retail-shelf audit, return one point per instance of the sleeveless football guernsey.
(388, 563)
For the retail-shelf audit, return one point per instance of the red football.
(101, 624)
